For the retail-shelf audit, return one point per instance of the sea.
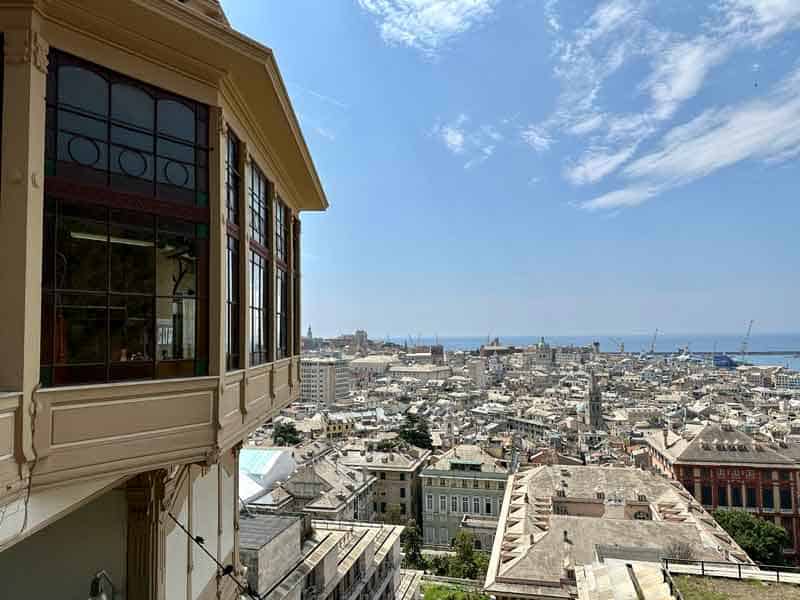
(789, 343)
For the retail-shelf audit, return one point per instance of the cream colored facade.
(149, 450)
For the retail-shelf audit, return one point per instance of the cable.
(34, 415)
(226, 569)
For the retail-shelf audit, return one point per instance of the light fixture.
(96, 588)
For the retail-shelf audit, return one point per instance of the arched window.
(641, 515)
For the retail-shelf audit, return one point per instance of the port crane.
(620, 345)
(653, 342)
(746, 340)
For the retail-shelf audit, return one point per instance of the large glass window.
(125, 252)
(125, 295)
(233, 182)
(296, 350)
(259, 259)
(281, 280)
(109, 130)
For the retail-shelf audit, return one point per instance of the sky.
(545, 167)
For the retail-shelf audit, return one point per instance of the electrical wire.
(226, 569)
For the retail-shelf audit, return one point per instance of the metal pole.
(740, 570)
(702, 568)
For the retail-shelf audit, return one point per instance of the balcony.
(80, 433)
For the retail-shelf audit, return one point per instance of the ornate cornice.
(26, 47)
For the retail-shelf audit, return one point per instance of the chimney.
(665, 437)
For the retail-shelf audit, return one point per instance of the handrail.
(733, 570)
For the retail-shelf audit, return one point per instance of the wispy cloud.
(324, 98)
(462, 138)
(426, 25)
(765, 129)
(596, 163)
(537, 138)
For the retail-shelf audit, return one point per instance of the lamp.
(96, 588)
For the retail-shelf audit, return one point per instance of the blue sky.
(545, 167)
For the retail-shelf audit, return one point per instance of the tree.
(285, 434)
(763, 541)
(415, 431)
(411, 540)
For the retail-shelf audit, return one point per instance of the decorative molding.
(26, 47)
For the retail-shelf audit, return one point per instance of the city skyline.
(553, 166)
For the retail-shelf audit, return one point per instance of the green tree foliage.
(411, 540)
(285, 434)
(465, 564)
(415, 431)
(762, 540)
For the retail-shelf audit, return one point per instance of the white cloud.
(766, 129)
(679, 72)
(759, 20)
(596, 163)
(476, 143)
(426, 25)
(586, 125)
(626, 197)
(537, 138)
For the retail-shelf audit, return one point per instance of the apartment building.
(725, 468)
(296, 558)
(324, 380)
(153, 174)
(477, 372)
(398, 489)
(464, 482)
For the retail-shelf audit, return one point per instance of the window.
(784, 475)
(429, 503)
(454, 504)
(477, 544)
(443, 504)
(106, 129)
(786, 499)
(722, 496)
(501, 485)
(641, 515)
(259, 258)
(463, 483)
(736, 495)
(402, 492)
(488, 485)
(488, 506)
(751, 496)
(444, 536)
(374, 507)
(464, 504)
(786, 523)
(402, 508)
(402, 476)
(476, 506)
(383, 507)
(768, 499)
(705, 495)
(475, 483)
(233, 283)
(383, 475)
(281, 280)
(297, 337)
(125, 267)
(442, 483)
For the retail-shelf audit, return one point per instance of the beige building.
(153, 173)
(324, 380)
(398, 489)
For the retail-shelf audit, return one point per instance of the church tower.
(594, 406)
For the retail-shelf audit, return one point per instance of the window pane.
(131, 319)
(177, 263)
(132, 105)
(232, 312)
(177, 325)
(81, 262)
(132, 258)
(83, 89)
(232, 178)
(81, 328)
(176, 119)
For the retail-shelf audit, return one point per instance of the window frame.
(259, 195)
(281, 255)
(144, 207)
(233, 253)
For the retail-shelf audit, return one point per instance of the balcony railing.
(74, 433)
